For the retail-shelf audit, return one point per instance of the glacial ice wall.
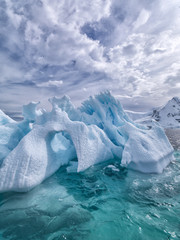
(97, 131)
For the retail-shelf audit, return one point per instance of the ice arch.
(33, 160)
(99, 131)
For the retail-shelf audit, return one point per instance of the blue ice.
(34, 149)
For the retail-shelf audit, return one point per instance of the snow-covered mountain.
(168, 115)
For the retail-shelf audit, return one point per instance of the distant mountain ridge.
(168, 115)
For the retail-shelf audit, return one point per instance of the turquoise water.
(106, 202)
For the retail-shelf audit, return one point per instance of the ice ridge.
(97, 131)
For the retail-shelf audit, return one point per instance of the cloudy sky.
(74, 47)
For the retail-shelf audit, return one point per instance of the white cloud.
(130, 47)
(33, 33)
(50, 84)
(142, 18)
(9, 70)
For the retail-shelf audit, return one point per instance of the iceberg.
(97, 131)
(11, 132)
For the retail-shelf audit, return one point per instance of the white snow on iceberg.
(97, 131)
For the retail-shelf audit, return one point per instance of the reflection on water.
(106, 202)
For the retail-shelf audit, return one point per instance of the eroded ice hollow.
(99, 130)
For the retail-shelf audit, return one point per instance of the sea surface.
(106, 202)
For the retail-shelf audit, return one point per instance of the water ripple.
(106, 202)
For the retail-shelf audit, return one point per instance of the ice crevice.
(97, 131)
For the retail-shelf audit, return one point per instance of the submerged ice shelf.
(32, 150)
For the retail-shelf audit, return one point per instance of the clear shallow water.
(106, 202)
